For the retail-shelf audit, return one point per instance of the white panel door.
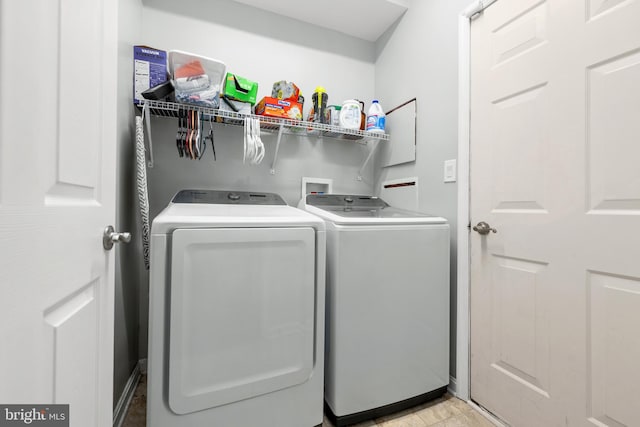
(57, 194)
(555, 169)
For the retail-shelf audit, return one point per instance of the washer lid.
(358, 209)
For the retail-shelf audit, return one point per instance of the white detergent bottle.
(350, 114)
(375, 118)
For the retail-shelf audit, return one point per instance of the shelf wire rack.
(271, 124)
(289, 126)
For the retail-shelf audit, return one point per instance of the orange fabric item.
(193, 68)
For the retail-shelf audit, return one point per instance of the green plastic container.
(240, 89)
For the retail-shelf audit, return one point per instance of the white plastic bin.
(199, 84)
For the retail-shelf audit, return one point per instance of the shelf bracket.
(146, 116)
(275, 154)
(366, 161)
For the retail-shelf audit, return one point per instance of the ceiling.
(364, 19)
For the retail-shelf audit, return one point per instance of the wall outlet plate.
(450, 172)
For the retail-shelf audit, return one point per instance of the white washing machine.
(236, 322)
(387, 340)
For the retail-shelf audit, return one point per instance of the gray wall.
(266, 48)
(298, 156)
(129, 268)
(418, 57)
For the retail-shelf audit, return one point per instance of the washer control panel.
(345, 200)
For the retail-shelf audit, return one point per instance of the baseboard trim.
(142, 364)
(127, 394)
(453, 386)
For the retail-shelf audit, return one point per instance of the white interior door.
(57, 194)
(555, 169)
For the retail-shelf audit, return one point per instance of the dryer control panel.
(219, 197)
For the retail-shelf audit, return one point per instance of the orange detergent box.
(274, 107)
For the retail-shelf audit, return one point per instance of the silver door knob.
(483, 228)
(111, 236)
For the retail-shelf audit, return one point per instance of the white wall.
(417, 57)
(266, 48)
(130, 271)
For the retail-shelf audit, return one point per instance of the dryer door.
(242, 304)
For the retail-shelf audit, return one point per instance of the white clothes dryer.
(387, 338)
(236, 321)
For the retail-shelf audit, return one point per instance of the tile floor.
(137, 412)
(447, 411)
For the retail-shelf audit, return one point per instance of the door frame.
(463, 332)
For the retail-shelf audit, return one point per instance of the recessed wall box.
(316, 186)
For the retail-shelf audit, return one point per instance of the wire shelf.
(289, 126)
